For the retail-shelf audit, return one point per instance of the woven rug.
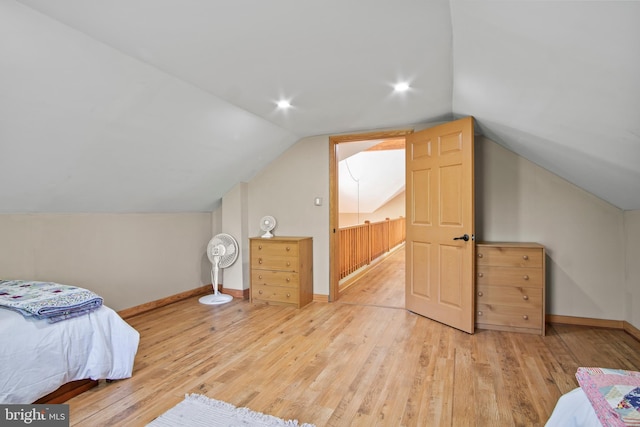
(197, 410)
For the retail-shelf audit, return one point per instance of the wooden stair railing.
(363, 243)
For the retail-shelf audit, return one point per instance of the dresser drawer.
(276, 294)
(271, 254)
(272, 248)
(508, 257)
(509, 276)
(287, 279)
(272, 262)
(515, 296)
(509, 315)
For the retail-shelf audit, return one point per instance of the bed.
(38, 356)
(606, 397)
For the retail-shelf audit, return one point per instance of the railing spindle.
(362, 244)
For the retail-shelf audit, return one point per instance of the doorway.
(334, 197)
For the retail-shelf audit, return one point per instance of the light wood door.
(440, 208)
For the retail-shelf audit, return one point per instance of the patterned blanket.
(613, 393)
(47, 300)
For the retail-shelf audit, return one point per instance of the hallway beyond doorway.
(381, 286)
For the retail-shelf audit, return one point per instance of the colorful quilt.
(47, 300)
(613, 393)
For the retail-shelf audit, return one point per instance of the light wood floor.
(382, 286)
(353, 362)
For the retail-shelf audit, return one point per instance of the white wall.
(394, 208)
(234, 222)
(286, 189)
(129, 259)
(518, 201)
(632, 246)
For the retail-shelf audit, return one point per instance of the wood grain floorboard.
(361, 361)
(382, 285)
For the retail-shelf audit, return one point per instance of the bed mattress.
(37, 357)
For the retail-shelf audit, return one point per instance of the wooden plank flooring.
(355, 362)
(382, 285)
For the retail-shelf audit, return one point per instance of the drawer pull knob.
(288, 280)
(525, 257)
(525, 297)
(479, 313)
(288, 248)
(260, 276)
(480, 274)
(525, 317)
(259, 246)
(259, 260)
(288, 263)
(525, 277)
(480, 294)
(260, 291)
(288, 294)
(480, 255)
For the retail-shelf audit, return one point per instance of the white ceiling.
(163, 105)
(370, 179)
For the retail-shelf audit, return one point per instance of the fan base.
(215, 299)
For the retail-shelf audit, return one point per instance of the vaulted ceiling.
(370, 174)
(164, 105)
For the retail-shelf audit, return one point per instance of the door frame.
(334, 223)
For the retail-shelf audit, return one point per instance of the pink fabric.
(611, 393)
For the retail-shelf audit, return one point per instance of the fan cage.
(229, 246)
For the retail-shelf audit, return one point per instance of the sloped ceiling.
(163, 105)
(370, 179)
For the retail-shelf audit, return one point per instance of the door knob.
(464, 237)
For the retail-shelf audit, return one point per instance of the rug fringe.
(257, 416)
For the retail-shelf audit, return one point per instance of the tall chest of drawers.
(510, 287)
(282, 270)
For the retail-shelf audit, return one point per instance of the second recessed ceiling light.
(401, 87)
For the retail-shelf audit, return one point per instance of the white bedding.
(573, 409)
(37, 357)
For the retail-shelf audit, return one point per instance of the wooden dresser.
(510, 287)
(282, 270)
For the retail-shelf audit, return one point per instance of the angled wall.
(517, 200)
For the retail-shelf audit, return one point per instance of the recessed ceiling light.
(284, 104)
(401, 87)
